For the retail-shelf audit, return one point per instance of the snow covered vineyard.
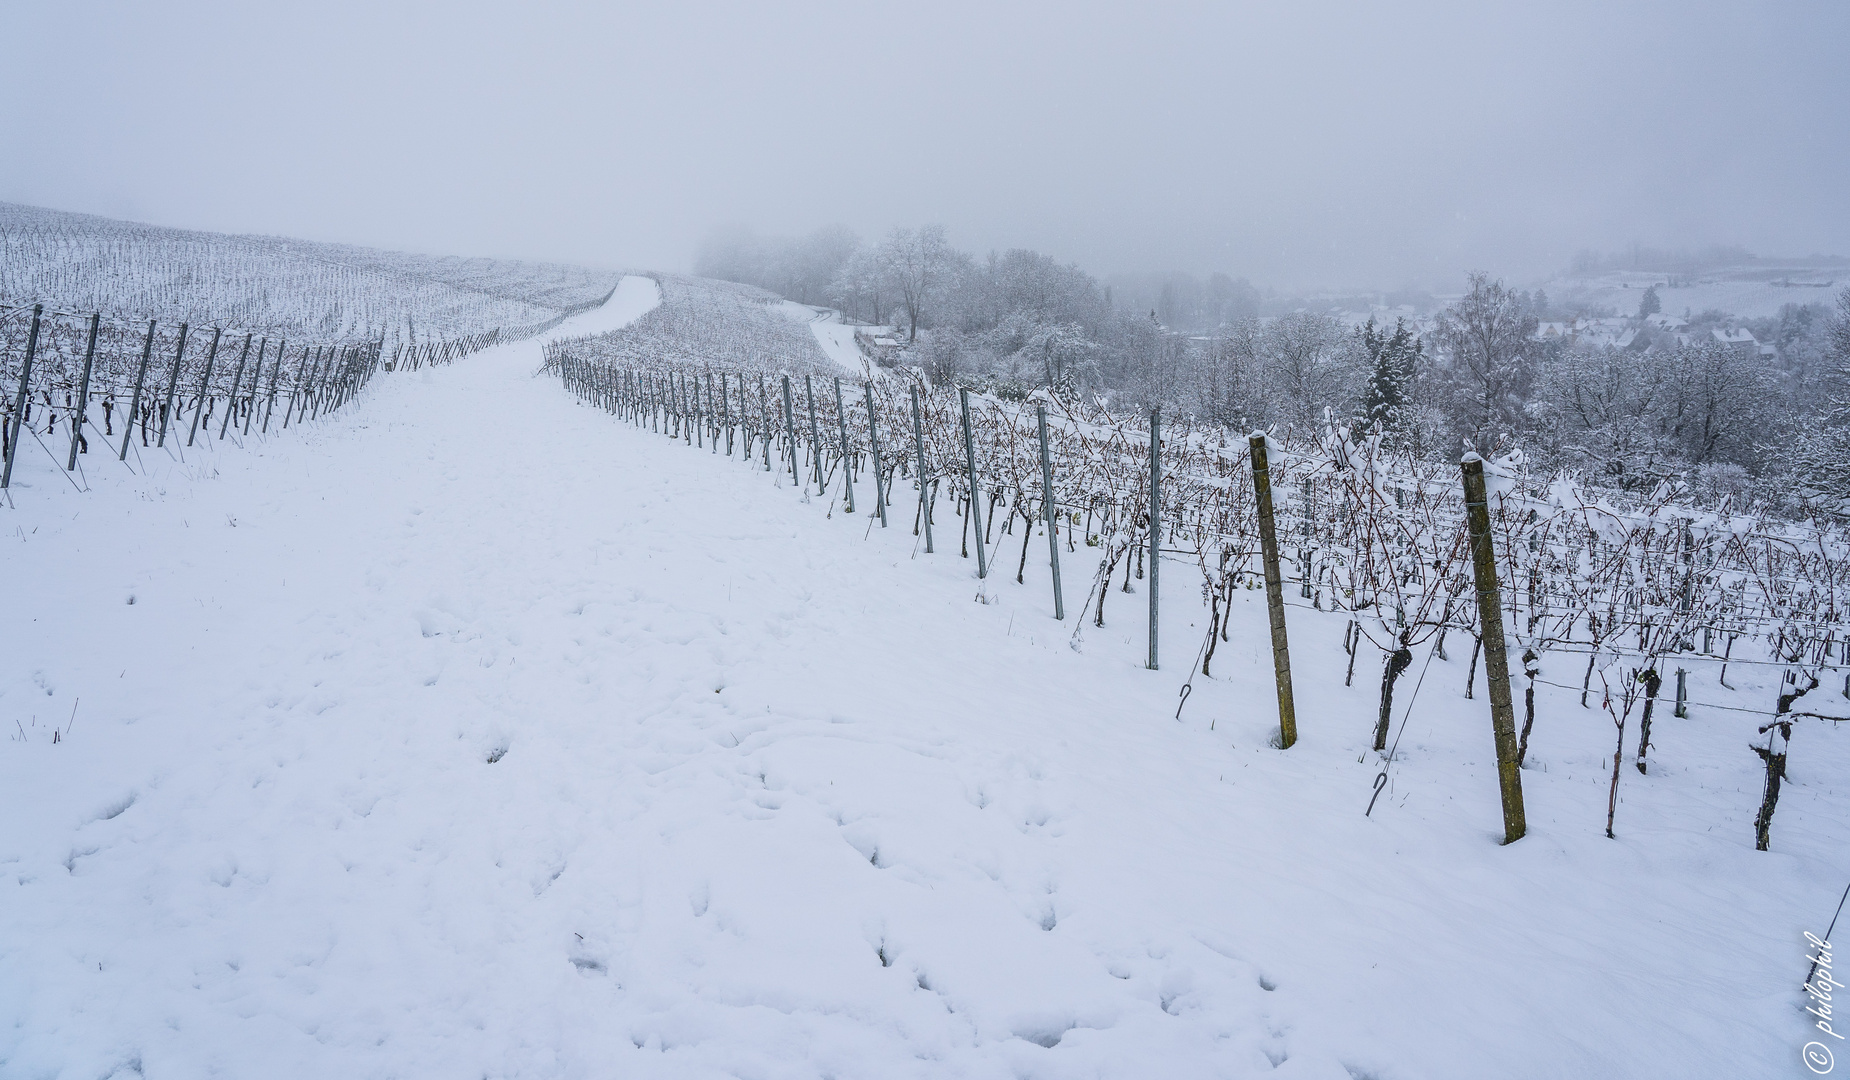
(275, 287)
(108, 326)
(470, 731)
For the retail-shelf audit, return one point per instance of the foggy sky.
(1323, 145)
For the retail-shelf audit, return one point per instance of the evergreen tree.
(1391, 360)
(1650, 305)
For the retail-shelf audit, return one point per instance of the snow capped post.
(19, 403)
(1274, 592)
(873, 444)
(918, 439)
(134, 401)
(976, 499)
(1496, 660)
(83, 393)
(1047, 511)
(1156, 517)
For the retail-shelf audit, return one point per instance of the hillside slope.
(475, 733)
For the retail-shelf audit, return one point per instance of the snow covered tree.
(1650, 305)
(1822, 458)
(1488, 345)
(1309, 364)
(1392, 362)
(918, 265)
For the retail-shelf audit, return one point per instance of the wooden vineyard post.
(918, 439)
(847, 471)
(134, 401)
(873, 444)
(976, 497)
(205, 384)
(19, 404)
(1496, 660)
(1048, 511)
(1274, 592)
(790, 431)
(1156, 517)
(83, 393)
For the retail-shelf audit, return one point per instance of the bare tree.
(917, 265)
(1310, 364)
(1487, 341)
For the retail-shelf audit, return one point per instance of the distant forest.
(1696, 403)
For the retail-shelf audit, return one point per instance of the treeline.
(1649, 406)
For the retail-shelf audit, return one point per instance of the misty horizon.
(1341, 150)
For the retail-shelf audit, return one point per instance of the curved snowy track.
(475, 733)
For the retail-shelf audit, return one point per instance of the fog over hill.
(1346, 147)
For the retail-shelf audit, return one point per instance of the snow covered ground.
(472, 733)
(1747, 292)
(837, 339)
(835, 336)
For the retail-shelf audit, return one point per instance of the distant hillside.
(275, 285)
(1745, 286)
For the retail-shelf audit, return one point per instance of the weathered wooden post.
(83, 393)
(1274, 591)
(1156, 518)
(1496, 660)
(847, 472)
(918, 438)
(976, 496)
(873, 444)
(134, 401)
(19, 402)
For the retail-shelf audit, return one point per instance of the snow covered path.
(474, 733)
